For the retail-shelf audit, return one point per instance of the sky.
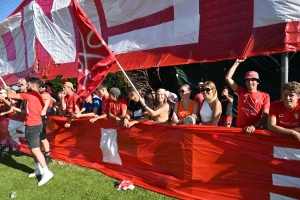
(7, 7)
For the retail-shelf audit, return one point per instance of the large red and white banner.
(184, 161)
(145, 34)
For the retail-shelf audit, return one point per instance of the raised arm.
(230, 73)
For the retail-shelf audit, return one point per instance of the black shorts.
(43, 134)
(32, 135)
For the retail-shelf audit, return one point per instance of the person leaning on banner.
(117, 106)
(284, 115)
(104, 95)
(161, 110)
(135, 111)
(90, 108)
(211, 108)
(71, 102)
(227, 102)
(253, 105)
(58, 104)
(185, 108)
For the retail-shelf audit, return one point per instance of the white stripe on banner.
(279, 197)
(286, 153)
(285, 181)
(109, 146)
(183, 30)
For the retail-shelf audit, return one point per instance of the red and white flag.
(95, 58)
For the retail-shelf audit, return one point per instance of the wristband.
(255, 126)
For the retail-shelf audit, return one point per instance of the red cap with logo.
(252, 75)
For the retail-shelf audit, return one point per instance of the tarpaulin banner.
(184, 161)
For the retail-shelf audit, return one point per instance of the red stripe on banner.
(157, 18)
(10, 46)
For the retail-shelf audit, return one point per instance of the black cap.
(42, 85)
(49, 84)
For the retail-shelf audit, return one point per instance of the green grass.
(69, 182)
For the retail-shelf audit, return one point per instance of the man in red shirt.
(117, 106)
(284, 115)
(33, 123)
(199, 97)
(253, 105)
(71, 102)
(48, 105)
(103, 93)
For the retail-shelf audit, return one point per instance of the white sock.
(38, 166)
(45, 170)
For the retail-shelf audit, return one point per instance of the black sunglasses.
(207, 90)
(182, 91)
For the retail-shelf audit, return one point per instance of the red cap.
(252, 75)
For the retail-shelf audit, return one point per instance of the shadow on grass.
(7, 159)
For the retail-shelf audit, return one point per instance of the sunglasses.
(207, 90)
(182, 91)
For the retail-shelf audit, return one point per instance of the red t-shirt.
(116, 108)
(34, 106)
(284, 117)
(105, 103)
(71, 101)
(199, 98)
(250, 106)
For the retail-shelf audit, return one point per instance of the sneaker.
(48, 159)
(36, 172)
(45, 178)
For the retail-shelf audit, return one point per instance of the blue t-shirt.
(89, 107)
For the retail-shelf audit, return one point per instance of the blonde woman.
(161, 106)
(211, 109)
(185, 107)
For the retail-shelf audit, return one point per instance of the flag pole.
(128, 79)
(3, 81)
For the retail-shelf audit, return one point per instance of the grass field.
(69, 182)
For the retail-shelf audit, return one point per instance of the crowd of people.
(28, 103)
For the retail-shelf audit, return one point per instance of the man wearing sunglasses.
(253, 105)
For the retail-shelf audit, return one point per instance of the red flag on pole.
(95, 58)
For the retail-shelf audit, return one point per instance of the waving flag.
(95, 58)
